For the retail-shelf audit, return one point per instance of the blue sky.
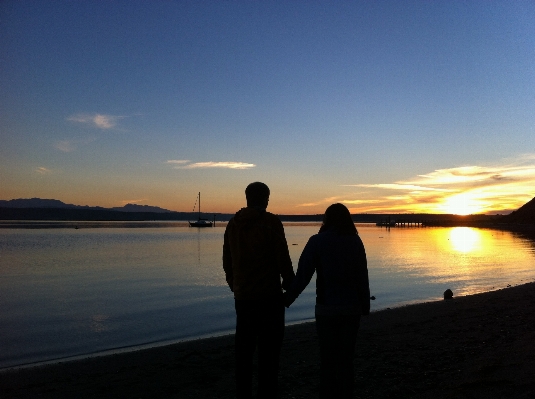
(386, 106)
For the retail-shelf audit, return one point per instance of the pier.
(401, 223)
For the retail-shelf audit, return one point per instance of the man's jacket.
(255, 255)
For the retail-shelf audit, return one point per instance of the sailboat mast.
(199, 205)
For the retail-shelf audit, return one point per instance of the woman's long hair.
(338, 218)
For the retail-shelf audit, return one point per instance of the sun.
(461, 204)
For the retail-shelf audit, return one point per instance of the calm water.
(67, 292)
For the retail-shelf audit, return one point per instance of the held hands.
(287, 299)
(366, 309)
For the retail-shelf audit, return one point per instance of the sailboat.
(200, 222)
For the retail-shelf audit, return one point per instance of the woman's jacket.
(342, 285)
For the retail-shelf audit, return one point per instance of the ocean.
(102, 287)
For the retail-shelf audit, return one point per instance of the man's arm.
(283, 257)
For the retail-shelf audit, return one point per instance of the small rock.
(372, 298)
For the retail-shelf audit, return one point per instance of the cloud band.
(184, 164)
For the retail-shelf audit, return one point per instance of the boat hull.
(200, 223)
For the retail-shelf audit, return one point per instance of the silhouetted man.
(255, 256)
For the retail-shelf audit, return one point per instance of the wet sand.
(479, 346)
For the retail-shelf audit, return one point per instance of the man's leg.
(245, 343)
(270, 338)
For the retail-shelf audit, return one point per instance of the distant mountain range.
(57, 204)
(51, 209)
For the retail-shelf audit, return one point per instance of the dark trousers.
(259, 323)
(337, 338)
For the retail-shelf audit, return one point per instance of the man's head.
(257, 194)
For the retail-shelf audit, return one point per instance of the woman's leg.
(337, 337)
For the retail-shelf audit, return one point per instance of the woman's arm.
(363, 281)
(305, 270)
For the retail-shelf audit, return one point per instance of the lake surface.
(66, 292)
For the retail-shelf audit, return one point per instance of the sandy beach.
(479, 346)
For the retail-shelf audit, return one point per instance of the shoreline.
(482, 345)
(206, 336)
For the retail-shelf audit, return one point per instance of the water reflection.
(99, 323)
(408, 265)
(465, 239)
(527, 236)
(114, 287)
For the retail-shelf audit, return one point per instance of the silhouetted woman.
(338, 257)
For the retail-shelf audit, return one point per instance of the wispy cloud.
(401, 186)
(42, 170)
(465, 189)
(178, 161)
(72, 145)
(360, 202)
(184, 164)
(329, 200)
(135, 201)
(224, 165)
(348, 202)
(65, 145)
(100, 121)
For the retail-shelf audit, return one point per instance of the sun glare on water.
(465, 239)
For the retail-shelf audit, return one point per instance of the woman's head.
(338, 218)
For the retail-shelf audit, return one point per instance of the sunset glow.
(461, 204)
(498, 188)
(387, 107)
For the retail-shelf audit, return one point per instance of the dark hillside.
(525, 214)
